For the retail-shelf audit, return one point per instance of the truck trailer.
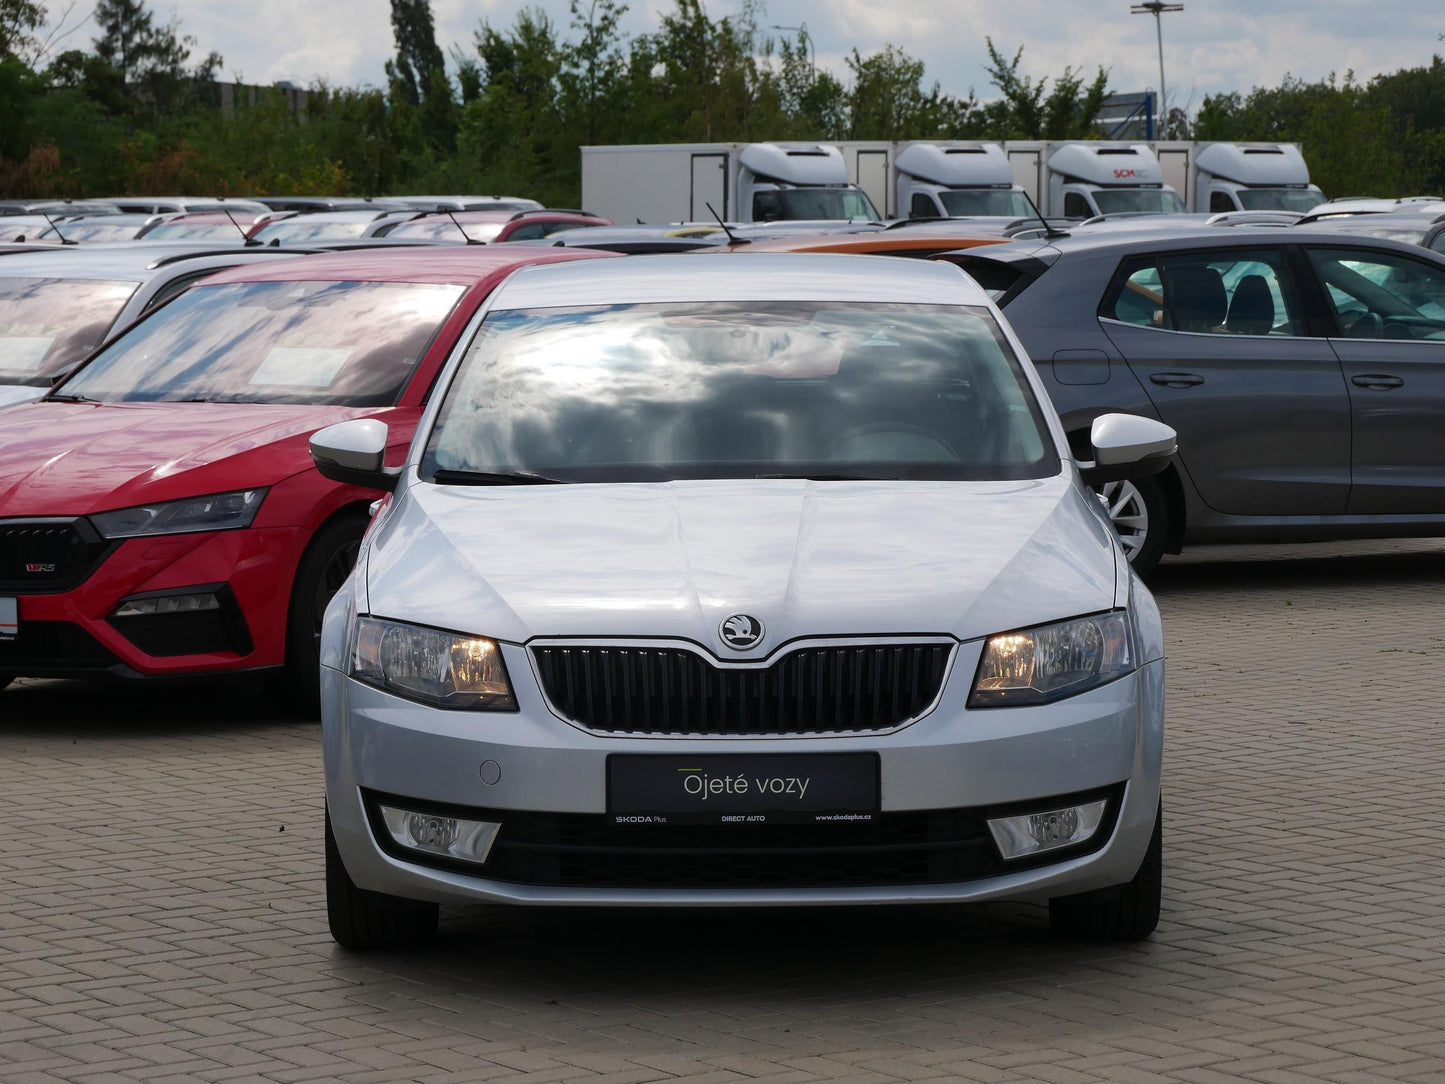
(1214, 177)
(756, 182)
(742, 182)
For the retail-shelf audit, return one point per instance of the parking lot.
(161, 910)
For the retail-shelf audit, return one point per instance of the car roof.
(350, 214)
(459, 264)
(745, 277)
(107, 261)
(880, 242)
(1190, 237)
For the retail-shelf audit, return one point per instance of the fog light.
(450, 837)
(1031, 833)
(168, 604)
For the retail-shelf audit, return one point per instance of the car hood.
(806, 558)
(76, 458)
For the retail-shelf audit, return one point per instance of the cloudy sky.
(1213, 45)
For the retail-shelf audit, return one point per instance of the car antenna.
(1050, 232)
(245, 239)
(465, 235)
(732, 237)
(56, 227)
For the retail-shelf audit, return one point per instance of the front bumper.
(952, 762)
(70, 633)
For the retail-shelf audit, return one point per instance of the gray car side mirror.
(1127, 446)
(354, 452)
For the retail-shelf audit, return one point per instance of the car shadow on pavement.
(112, 708)
(1393, 562)
(677, 956)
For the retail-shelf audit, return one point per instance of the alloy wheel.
(1128, 512)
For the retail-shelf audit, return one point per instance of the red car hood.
(78, 458)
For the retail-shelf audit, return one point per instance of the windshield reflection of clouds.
(733, 390)
(342, 343)
(47, 325)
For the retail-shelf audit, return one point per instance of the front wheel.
(327, 562)
(1139, 512)
(364, 920)
(1126, 912)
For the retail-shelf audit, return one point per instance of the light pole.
(802, 32)
(1157, 9)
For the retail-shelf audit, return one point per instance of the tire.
(324, 566)
(362, 920)
(1140, 514)
(1127, 912)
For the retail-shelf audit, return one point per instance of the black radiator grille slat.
(45, 556)
(651, 690)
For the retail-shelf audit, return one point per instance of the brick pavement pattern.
(161, 912)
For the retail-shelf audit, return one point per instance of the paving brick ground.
(161, 912)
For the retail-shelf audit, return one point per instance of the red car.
(159, 511)
(490, 227)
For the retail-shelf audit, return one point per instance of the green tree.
(1028, 109)
(888, 100)
(19, 19)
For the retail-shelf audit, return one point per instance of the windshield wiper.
(489, 478)
(66, 398)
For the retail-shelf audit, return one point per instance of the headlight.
(1049, 663)
(440, 668)
(218, 512)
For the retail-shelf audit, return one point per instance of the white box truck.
(744, 182)
(754, 182)
(1214, 177)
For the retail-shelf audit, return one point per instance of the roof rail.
(269, 250)
(553, 211)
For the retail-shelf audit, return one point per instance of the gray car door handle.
(1378, 381)
(1176, 380)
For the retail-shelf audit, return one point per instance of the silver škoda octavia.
(755, 581)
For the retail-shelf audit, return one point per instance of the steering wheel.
(922, 438)
(1365, 325)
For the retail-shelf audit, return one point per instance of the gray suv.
(1304, 371)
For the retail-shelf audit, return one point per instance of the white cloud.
(1210, 47)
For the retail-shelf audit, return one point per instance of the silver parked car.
(760, 581)
(57, 306)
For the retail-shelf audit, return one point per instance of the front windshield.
(299, 229)
(649, 393)
(1279, 199)
(794, 204)
(442, 228)
(1113, 201)
(967, 202)
(197, 231)
(339, 343)
(47, 325)
(93, 231)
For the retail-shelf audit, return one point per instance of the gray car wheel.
(1139, 513)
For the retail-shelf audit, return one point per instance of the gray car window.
(1213, 293)
(1378, 295)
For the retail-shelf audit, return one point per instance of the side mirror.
(354, 452)
(1128, 446)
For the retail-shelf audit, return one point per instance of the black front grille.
(583, 850)
(646, 690)
(44, 556)
(53, 647)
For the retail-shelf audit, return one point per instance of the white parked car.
(757, 580)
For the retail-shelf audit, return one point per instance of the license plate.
(9, 618)
(765, 788)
